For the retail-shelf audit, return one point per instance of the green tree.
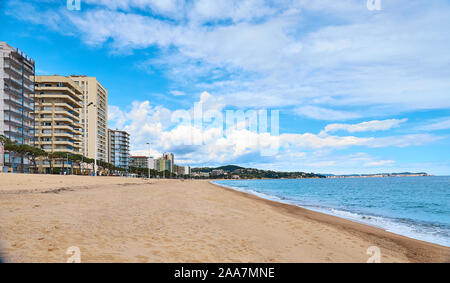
(32, 153)
(61, 156)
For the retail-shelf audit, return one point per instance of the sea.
(416, 207)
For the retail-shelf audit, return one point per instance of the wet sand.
(112, 219)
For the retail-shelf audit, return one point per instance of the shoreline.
(115, 219)
(418, 250)
(385, 224)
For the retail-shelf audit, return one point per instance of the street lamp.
(149, 156)
(95, 143)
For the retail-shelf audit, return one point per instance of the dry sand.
(129, 220)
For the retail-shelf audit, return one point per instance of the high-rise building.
(119, 148)
(151, 163)
(94, 117)
(163, 165)
(57, 117)
(2, 159)
(187, 170)
(16, 105)
(171, 160)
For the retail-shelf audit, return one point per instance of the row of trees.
(153, 173)
(71, 161)
(68, 160)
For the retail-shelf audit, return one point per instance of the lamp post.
(95, 143)
(149, 156)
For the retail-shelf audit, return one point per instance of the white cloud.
(177, 93)
(369, 126)
(436, 125)
(379, 163)
(312, 141)
(209, 142)
(166, 7)
(281, 52)
(116, 115)
(320, 113)
(403, 140)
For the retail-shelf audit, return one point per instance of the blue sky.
(358, 90)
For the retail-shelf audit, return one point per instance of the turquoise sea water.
(416, 207)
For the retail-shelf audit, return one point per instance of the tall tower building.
(170, 158)
(94, 117)
(119, 148)
(16, 104)
(57, 116)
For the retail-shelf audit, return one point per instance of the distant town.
(379, 175)
(237, 172)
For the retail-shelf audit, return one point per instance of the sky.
(357, 90)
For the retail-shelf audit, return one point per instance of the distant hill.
(230, 168)
(233, 171)
(227, 168)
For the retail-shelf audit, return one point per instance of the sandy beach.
(112, 219)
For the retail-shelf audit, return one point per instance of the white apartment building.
(16, 104)
(94, 117)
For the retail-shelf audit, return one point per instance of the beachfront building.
(182, 170)
(139, 161)
(217, 172)
(162, 165)
(16, 104)
(201, 175)
(169, 157)
(151, 163)
(57, 118)
(119, 148)
(94, 117)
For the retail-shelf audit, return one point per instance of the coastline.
(114, 219)
(417, 250)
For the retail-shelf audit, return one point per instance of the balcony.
(18, 113)
(60, 89)
(18, 123)
(18, 103)
(57, 95)
(18, 134)
(20, 84)
(13, 70)
(67, 113)
(18, 92)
